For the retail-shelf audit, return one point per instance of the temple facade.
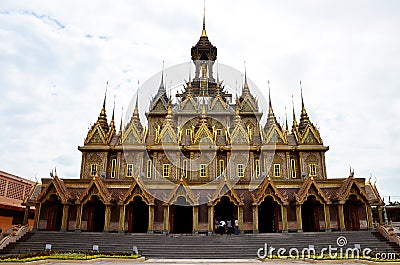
(204, 157)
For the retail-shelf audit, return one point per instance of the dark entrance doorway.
(54, 210)
(224, 210)
(138, 216)
(96, 213)
(310, 214)
(351, 214)
(181, 217)
(268, 216)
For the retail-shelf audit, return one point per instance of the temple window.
(203, 170)
(113, 168)
(240, 170)
(129, 170)
(257, 168)
(277, 170)
(293, 168)
(148, 170)
(93, 170)
(313, 169)
(166, 170)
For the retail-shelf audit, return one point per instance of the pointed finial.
(105, 96)
(112, 118)
(204, 33)
(301, 93)
(287, 126)
(269, 95)
(218, 73)
(122, 114)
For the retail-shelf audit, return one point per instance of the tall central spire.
(204, 33)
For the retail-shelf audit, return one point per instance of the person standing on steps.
(229, 227)
(236, 227)
(222, 227)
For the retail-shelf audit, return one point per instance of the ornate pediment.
(218, 104)
(203, 135)
(268, 188)
(96, 187)
(182, 190)
(96, 135)
(189, 104)
(310, 136)
(159, 105)
(350, 186)
(132, 136)
(310, 187)
(275, 136)
(167, 135)
(225, 189)
(56, 186)
(239, 135)
(137, 189)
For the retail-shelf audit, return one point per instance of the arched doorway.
(96, 214)
(351, 213)
(137, 216)
(310, 214)
(224, 210)
(181, 217)
(54, 213)
(268, 216)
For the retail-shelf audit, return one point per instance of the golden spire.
(112, 123)
(294, 115)
(203, 32)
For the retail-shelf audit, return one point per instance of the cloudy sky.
(56, 57)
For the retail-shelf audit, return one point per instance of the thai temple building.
(202, 157)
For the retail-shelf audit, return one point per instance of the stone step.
(190, 246)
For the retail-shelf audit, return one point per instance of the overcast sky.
(56, 57)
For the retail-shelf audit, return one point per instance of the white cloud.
(55, 58)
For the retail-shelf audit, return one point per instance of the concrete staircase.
(194, 246)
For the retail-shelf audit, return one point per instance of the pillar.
(107, 218)
(166, 219)
(255, 219)
(369, 217)
(37, 216)
(195, 219)
(210, 219)
(26, 215)
(285, 226)
(299, 219)
(150, 228)
(380, 215)
(64, 221)
(327, 218)
(121, 224)
(342, 225)
(78, 225)
(240, 218)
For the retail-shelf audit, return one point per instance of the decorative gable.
(310, 136)
(225, 189)
(96, 135)
(189, 104)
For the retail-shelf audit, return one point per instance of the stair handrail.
(14, 236)
(389, 234)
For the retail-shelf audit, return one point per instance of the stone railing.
(389, 234)
(13, 235)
